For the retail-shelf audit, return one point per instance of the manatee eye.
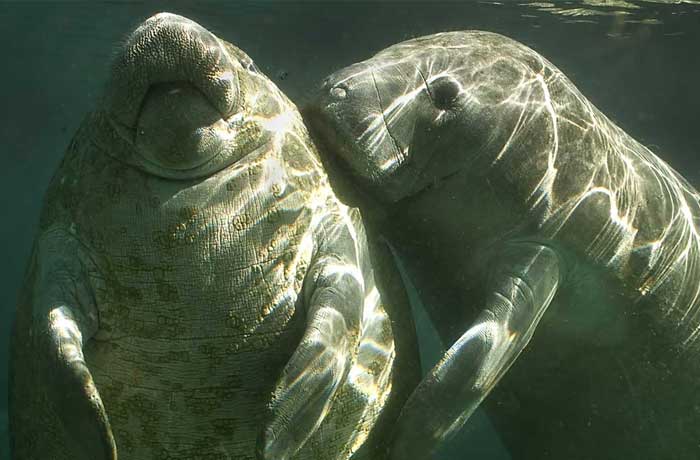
(251, 67)
(444, 92)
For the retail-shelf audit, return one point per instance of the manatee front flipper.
(64, 318)
(521, 286)
(334, 298)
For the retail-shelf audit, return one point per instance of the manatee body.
(524, 213)
(196, 290)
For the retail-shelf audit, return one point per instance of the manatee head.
(417, 112)
(182, 103)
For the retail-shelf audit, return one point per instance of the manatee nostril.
(339, 92)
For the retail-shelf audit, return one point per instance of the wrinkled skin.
(196, 289)
(527, 219)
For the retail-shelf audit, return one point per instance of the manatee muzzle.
(348, 110)
(171, 83)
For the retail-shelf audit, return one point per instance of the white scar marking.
(279, 124)
(226, 76)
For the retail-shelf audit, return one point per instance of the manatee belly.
(198, 305)
(191, 378)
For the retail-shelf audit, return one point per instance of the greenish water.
(637, 61)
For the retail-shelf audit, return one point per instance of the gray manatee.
(196, 290)
(526, 216)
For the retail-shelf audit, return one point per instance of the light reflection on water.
(636, 60)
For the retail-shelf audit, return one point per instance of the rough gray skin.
(518, 204)
(196, 287)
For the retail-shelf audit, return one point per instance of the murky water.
(635, 60)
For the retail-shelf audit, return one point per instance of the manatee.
(196, 290)
(526, 218)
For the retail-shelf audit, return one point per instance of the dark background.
(639, 65)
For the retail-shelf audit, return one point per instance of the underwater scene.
(339, 230)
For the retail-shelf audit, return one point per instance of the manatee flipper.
(334, 297)
(64, 318)
(518, 293)
(72, 389)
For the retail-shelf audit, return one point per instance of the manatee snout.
(342, 98)
(175, 94)
(171, 82)
(348, 117)
(365, 115)
(169, 48)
